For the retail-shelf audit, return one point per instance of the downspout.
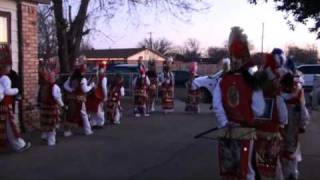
(20, 64)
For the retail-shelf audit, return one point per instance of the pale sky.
(211, 28)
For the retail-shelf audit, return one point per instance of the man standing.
(237, 100)
(96, 99)
(77, 88)
(8, 128)
(141, 85)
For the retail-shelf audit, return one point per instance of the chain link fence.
(127, 80)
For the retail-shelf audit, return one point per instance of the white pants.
(117, 116)
(98, 119)
(251, 173)
(85, 120)
(16, 143)
(50, 137)
(290, 167)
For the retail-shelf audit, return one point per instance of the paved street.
(158, 148)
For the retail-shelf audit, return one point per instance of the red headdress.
(47, 76)
(80, 64)
(193, 68)
(238, 48)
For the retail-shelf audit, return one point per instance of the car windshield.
(125, 69)
(309, 69)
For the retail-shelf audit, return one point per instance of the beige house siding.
(11, 6)
(146, 55)
(203, 69)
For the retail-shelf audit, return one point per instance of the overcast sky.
(211, 28)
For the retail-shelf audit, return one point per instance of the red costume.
(237, 101)
(194, 94)
(77, 88)
(9, 132)
(114, 96)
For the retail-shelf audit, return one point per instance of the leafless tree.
(162, 45)
(217, 53)
(71, 28)
(308, 55)
(47, 39)
(191, 49)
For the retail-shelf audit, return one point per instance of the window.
(309, 69)
(5, 24)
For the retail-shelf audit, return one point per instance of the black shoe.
(24, 148)
(97, 127)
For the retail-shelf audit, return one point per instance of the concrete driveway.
(161, 147)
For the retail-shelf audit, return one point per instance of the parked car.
(127, 71)
(207, 85)
(309, 71)
(124, 68)
(181, 77)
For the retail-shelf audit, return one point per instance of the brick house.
(18, 27)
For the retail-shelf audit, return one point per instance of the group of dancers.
(260, 107)
(261, 112)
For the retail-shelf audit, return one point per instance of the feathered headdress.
(193, 68)
(238, 48)
(80, 64)
(46, 75)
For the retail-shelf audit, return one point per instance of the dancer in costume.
(9, 131)
(96, 99)
(194, 94)
(167, 83)
(116, 91)
(298, 118)
(237, 100)
(153, 88)
(141, 84)
(50, 103)
(270, 124)
(77, 88)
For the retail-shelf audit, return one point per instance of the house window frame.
(7, 15)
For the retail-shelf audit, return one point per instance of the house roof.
(198, 60)
(115, 53)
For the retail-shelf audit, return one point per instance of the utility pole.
(150, 40)
(262, 37)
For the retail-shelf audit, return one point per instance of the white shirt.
(105, 87)
(1, 92)
(57, 95)
(162, 78)
(257, 106)
(83, 83)
(135, 81)
(6, 84)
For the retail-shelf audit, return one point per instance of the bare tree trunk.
(69, 40)
(76, 33)
(61, 36)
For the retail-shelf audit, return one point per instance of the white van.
(309, 71)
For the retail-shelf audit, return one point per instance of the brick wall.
(29, 54)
